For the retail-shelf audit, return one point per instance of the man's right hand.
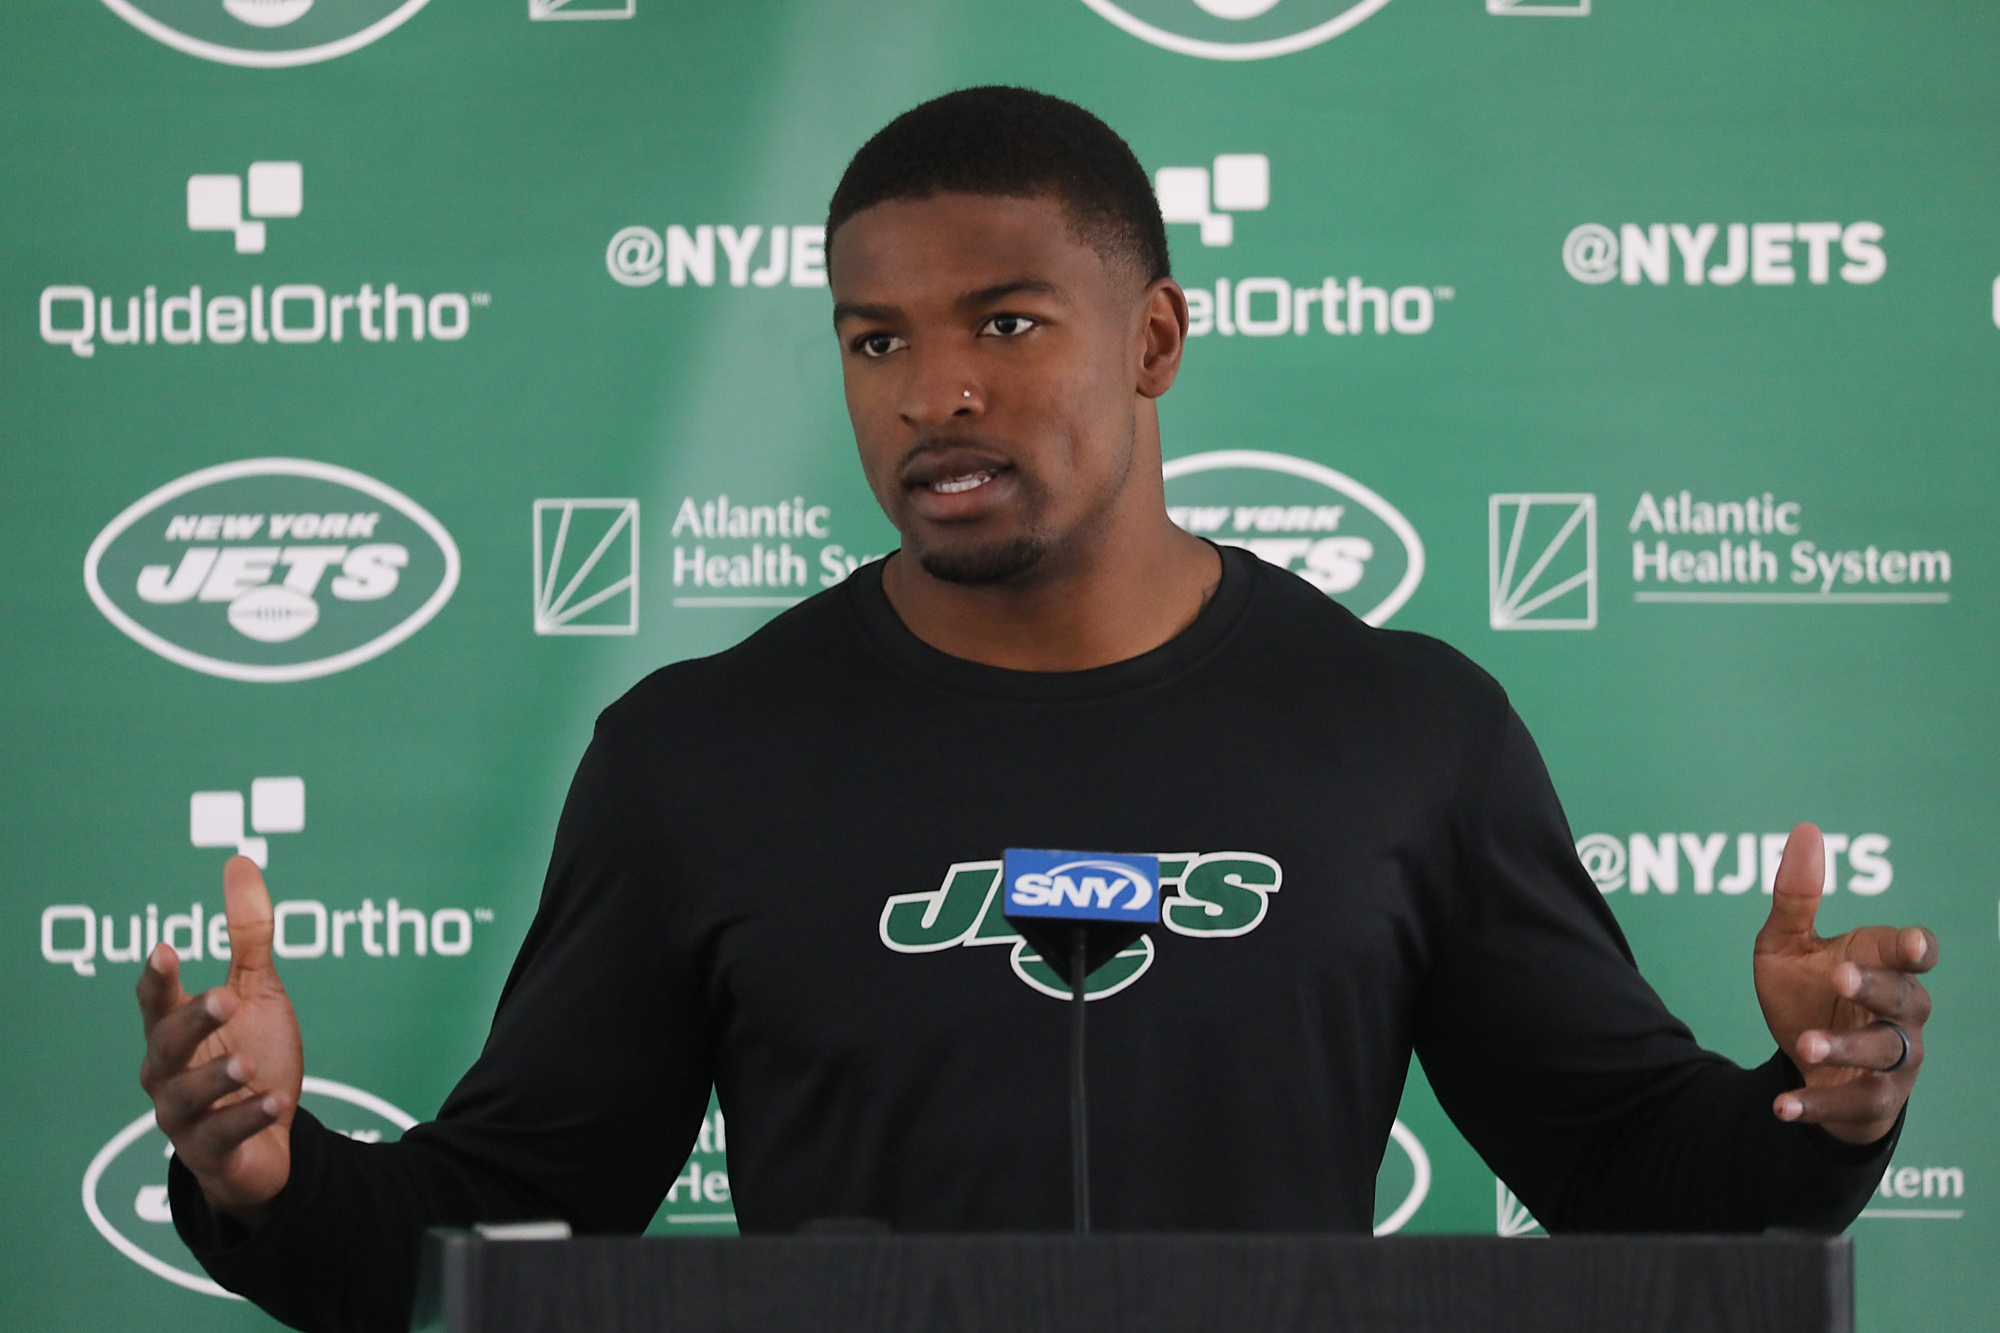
(224, 1068)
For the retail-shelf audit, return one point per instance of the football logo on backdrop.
(272, 569)
(1301, 516)
(1235, 29)
(1260, 29)
(266, 34)
(125, 1185)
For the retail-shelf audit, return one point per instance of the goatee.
(992, 562)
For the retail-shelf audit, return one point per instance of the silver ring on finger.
(1902, 1059)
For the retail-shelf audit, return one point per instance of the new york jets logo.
(1203, 895)
(272, 569)
(1235, 29)
(125, 1191)
(1300, 515)
(266, 34)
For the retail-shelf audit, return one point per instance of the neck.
(1132, 590)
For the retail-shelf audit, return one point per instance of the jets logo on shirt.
(1203, 894)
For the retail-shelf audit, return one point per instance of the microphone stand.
(1079, 1111)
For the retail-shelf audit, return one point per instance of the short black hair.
(1019, 143)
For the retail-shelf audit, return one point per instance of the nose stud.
(968, 393)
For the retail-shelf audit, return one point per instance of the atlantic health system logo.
(192, 571)
(586, 567)
(1542, 561)
(266, 34)
(1690, 547)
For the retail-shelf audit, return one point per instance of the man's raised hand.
(224, 1067)
(1836, 1005)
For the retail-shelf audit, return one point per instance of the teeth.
(955, 485)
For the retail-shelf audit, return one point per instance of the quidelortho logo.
(1301, 516)
(125, 1185)
(1727, 864)
(82, 938)
(277, 805)
(272, 569)
(290, 314)
(586, 566)
(1542, 561)
(728, 553)
(217, 203)
(266, 34)
(1766, 253)
(1211, 198)
(1211, 895)
(754, 256)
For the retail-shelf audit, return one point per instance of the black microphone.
(1078, 910)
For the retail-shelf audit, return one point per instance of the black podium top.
(1128, 1283)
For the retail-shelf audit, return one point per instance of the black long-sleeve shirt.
(775, 874)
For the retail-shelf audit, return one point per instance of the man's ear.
(1162, 336)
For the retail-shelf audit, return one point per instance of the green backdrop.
(388, 385)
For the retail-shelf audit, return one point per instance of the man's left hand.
(1837, 1006)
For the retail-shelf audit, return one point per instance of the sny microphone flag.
(1110, 887)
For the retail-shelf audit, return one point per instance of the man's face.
(993, 365)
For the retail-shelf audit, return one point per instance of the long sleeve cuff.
(227, 1248)
(1817, 1181)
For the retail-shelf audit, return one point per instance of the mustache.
(939, 444)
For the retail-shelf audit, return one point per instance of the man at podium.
(1369, 858)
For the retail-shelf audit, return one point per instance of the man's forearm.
(337, 1250)
(1712, 1157)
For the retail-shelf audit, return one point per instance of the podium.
(1134, 1283)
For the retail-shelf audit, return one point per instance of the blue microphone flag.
(1111, 887)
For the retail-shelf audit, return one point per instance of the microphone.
(1082, 908)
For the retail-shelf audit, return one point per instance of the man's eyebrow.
(882, 313)
(865, 311)
(1014, 287)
